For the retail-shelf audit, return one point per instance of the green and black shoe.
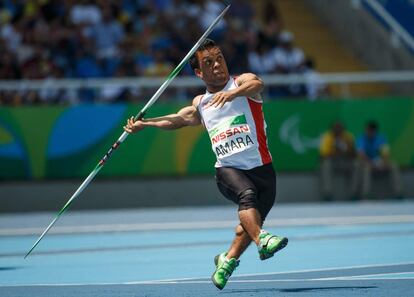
(224, 269)
(270, 244)
(220, 258)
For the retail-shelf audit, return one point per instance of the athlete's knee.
(248, 199)
(248, 192)
(239, 230)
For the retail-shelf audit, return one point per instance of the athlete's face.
(213, 68)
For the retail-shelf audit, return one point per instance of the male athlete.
(231, 112)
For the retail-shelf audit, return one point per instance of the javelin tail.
(66, 206)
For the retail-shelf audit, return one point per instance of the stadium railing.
(342, 79)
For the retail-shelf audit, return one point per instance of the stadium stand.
(319, 42)
(55, 39)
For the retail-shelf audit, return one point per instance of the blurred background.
(339, 98)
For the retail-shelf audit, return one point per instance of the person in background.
(315, 86)
(337, 152)
(288, 59)
(374, 156)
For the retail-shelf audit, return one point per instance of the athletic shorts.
(235, 183)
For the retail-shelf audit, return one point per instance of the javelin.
(124, 135)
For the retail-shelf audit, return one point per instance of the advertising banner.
(67, 142)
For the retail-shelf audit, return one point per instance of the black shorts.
(234, 183)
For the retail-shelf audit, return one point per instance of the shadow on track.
(298, 290)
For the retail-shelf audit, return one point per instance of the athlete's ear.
(199, 73)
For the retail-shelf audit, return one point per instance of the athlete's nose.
(217, 64)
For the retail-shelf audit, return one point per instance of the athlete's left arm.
(248, 85)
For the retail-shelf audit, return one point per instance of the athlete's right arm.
(187, 116)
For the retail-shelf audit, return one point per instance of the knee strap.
(247, 192)
(247, 199)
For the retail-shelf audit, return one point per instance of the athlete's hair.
(208, 43)
(372, 125)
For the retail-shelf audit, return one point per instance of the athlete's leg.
(264, 178)
(237, 187)
(251, 222)
(240, 243)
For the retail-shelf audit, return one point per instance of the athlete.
(231, 112)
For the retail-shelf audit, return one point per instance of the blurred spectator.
(272, 24)
(86, 65)
(241, 11)
(85, 38)
(374, 155)
(10, 33)
(315, 86)
(160, 66)
(235, 48)
(269, 33)
(288, 58)
(9, 68)
(38, 66)
(106, 35)
(86, 12)
(261, 60)
(270, 11)
(116, 93)
(338, 156)
(207, 12)
(49, 95)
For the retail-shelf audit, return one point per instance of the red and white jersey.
(237, 131)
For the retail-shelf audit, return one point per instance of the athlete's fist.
(133, 126)
(220, 98)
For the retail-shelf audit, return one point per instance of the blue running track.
(335, 249)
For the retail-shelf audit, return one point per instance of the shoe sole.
(216, 259)
(283, 243)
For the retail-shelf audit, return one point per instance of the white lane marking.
(351, 220)
(234, 279)
(295, 271)
(271, 280)
(376, 278)
(329, 269)
(376, 275)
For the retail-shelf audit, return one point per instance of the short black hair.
(372, 125)
(208, 43)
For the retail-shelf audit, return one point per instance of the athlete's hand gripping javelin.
(133, 126)
(186, 116)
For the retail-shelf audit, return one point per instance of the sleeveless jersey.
(237, 131)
